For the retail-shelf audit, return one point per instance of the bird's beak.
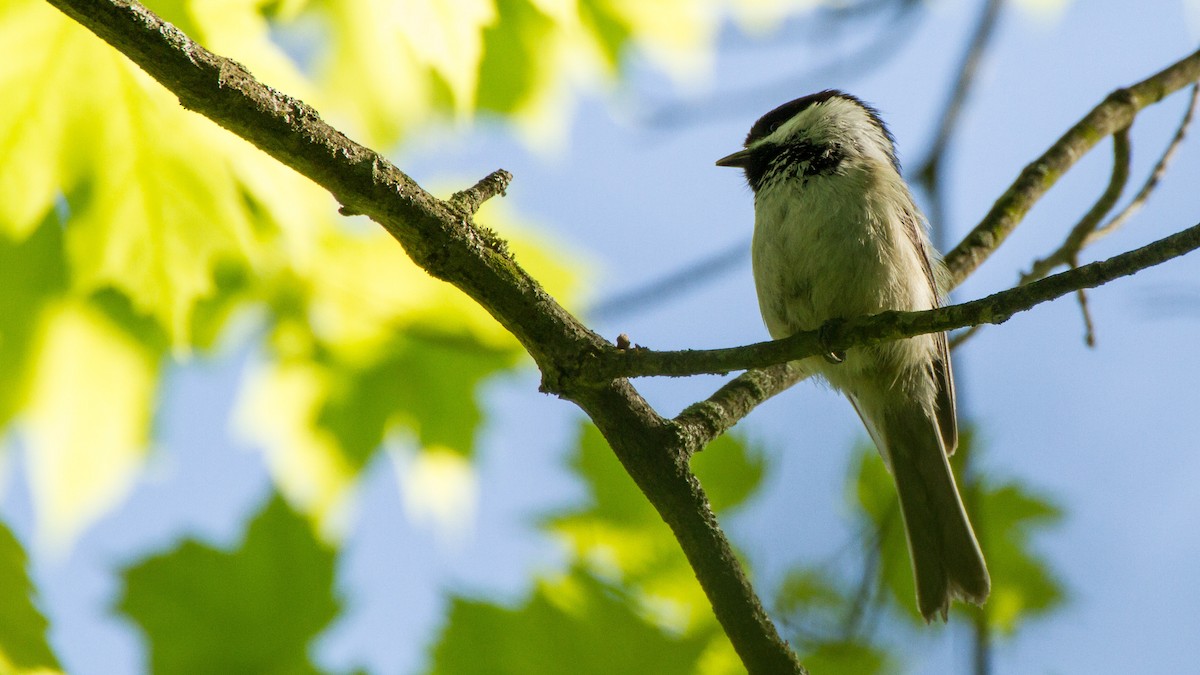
(739, 159)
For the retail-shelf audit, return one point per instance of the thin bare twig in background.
(929, 174)
(671, 285)
(931, 179)
(885, 44)
(863, 605)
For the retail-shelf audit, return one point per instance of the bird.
(838, 235)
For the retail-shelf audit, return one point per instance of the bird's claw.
(834, 356)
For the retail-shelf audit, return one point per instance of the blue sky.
(1110, 433)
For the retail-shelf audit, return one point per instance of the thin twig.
(1068, 251)
(981, 652)
(929, 175)
(495, 183)
(1089, 326)
(1160, 169)
(852, 624)
(672, 284)
(865, 590)
(886, 43)
(958, 339)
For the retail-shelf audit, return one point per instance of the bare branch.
(706, 420)
(1115, 112)
(959, 339)
(1089, 326)
(440, 238)
(1068, 252)
(495, 183)
(842, 334)
(929, 175)
(671, 284)
(1160, 169)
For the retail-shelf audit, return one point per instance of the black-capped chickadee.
(837, 235)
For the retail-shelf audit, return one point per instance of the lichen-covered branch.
(441, 237)
(705, 420)
(491, 185)
(576, 363)
(1116, 112)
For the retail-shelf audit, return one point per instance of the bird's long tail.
(947, 562)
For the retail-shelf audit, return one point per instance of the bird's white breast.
(837, 247)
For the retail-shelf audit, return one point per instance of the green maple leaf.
(153, 201)
(23, 643)
(1004, 516)
(580, 626)
(252, 610)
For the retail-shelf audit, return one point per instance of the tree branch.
(495, 183)
(1068, 252)
(1160, 169)
(442, 239)
(842, 334)
(706, 420)
(671, 284)
(1115, 112)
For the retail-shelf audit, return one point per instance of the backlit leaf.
(252, 610)
(1023, 585)
(847, 656)
(152, 209)
(390, 64)
(515, 57)
(88, 416)
(619, 535)
(23, 646)
(276, 411)
(579, 625)
(31, 274)
(423, 383)
(1004, 516)
(37, 122)
(612, 30)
